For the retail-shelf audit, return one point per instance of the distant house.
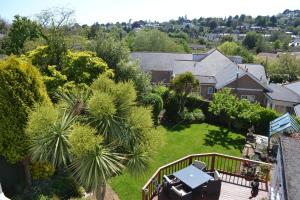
(282, 99)
(216, 71)
(285, 183)
(213, 69)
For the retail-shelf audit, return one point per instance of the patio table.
(192, 176)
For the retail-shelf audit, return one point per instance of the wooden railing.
(229, 165)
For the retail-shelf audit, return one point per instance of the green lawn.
(196, 138)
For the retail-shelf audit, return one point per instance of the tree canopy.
(155, 41)
(21, 88)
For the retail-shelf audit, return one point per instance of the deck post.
(213, 162)
(190, 160)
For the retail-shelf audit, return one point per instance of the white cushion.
(178, 192)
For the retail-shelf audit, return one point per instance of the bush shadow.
(221, 137)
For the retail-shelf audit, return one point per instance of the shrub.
(21, 87)
(41, 170)
(193, 116)
(198, 115)
(66, 187)
(171, 106)
(265, 117)
(157, 104)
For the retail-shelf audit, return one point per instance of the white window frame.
(249, 97)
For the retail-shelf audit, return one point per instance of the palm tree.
(93, 169)
(75, 100)
(54, 145)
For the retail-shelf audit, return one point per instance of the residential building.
(215, 71)
(282, 98)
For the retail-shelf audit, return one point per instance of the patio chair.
(200, 165)
(212, 189)
(215, 174)
(179, 192)
(169, 181)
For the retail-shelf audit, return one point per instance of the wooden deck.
(233, 188)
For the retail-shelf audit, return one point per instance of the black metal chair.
(180, 192)
(200, 165)
(168, 182)
(212, 189)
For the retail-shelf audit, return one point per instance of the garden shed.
(283, 124)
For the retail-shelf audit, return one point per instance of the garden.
(179, 142)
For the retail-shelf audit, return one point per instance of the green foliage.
(241, 113)
(83, 140)
(110, 49)
(92, 169)
(193, 116)
(127, 71)
(286, 68)
(53, 145)
(22, 29)
(83, 67)
(250, 40)
(56, 47)
(21, 87)
(41, 170)
(66, 187)
(154, 40)
(156, 102)
(233, 49)
(54, 80)
(225, 104)
(40, 120)
(257, 42)
(183, 85)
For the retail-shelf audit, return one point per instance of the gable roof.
(284, 123)
(256, 70)
(222, 68)
(294, 86)
(211, 64)
(159, 61)
(290, 156)
(214, 64)
(282, 93)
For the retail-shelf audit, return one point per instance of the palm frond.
(96, 167)
(54, 147)
(138, 160)
(75, 101)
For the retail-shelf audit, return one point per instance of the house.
(213, 69)
(282, 98)
(285, 184)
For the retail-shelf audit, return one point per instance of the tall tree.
(184, 84)
(22, 29)
(111, 49)
(21, 87)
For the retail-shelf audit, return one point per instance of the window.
(210, 90)
(250, 98)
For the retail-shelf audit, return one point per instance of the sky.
(103, 11)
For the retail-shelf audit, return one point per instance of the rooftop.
(294, 86)
(290, 150)
(282, 93)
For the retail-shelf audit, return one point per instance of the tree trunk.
(25, 163)
(100, 192)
